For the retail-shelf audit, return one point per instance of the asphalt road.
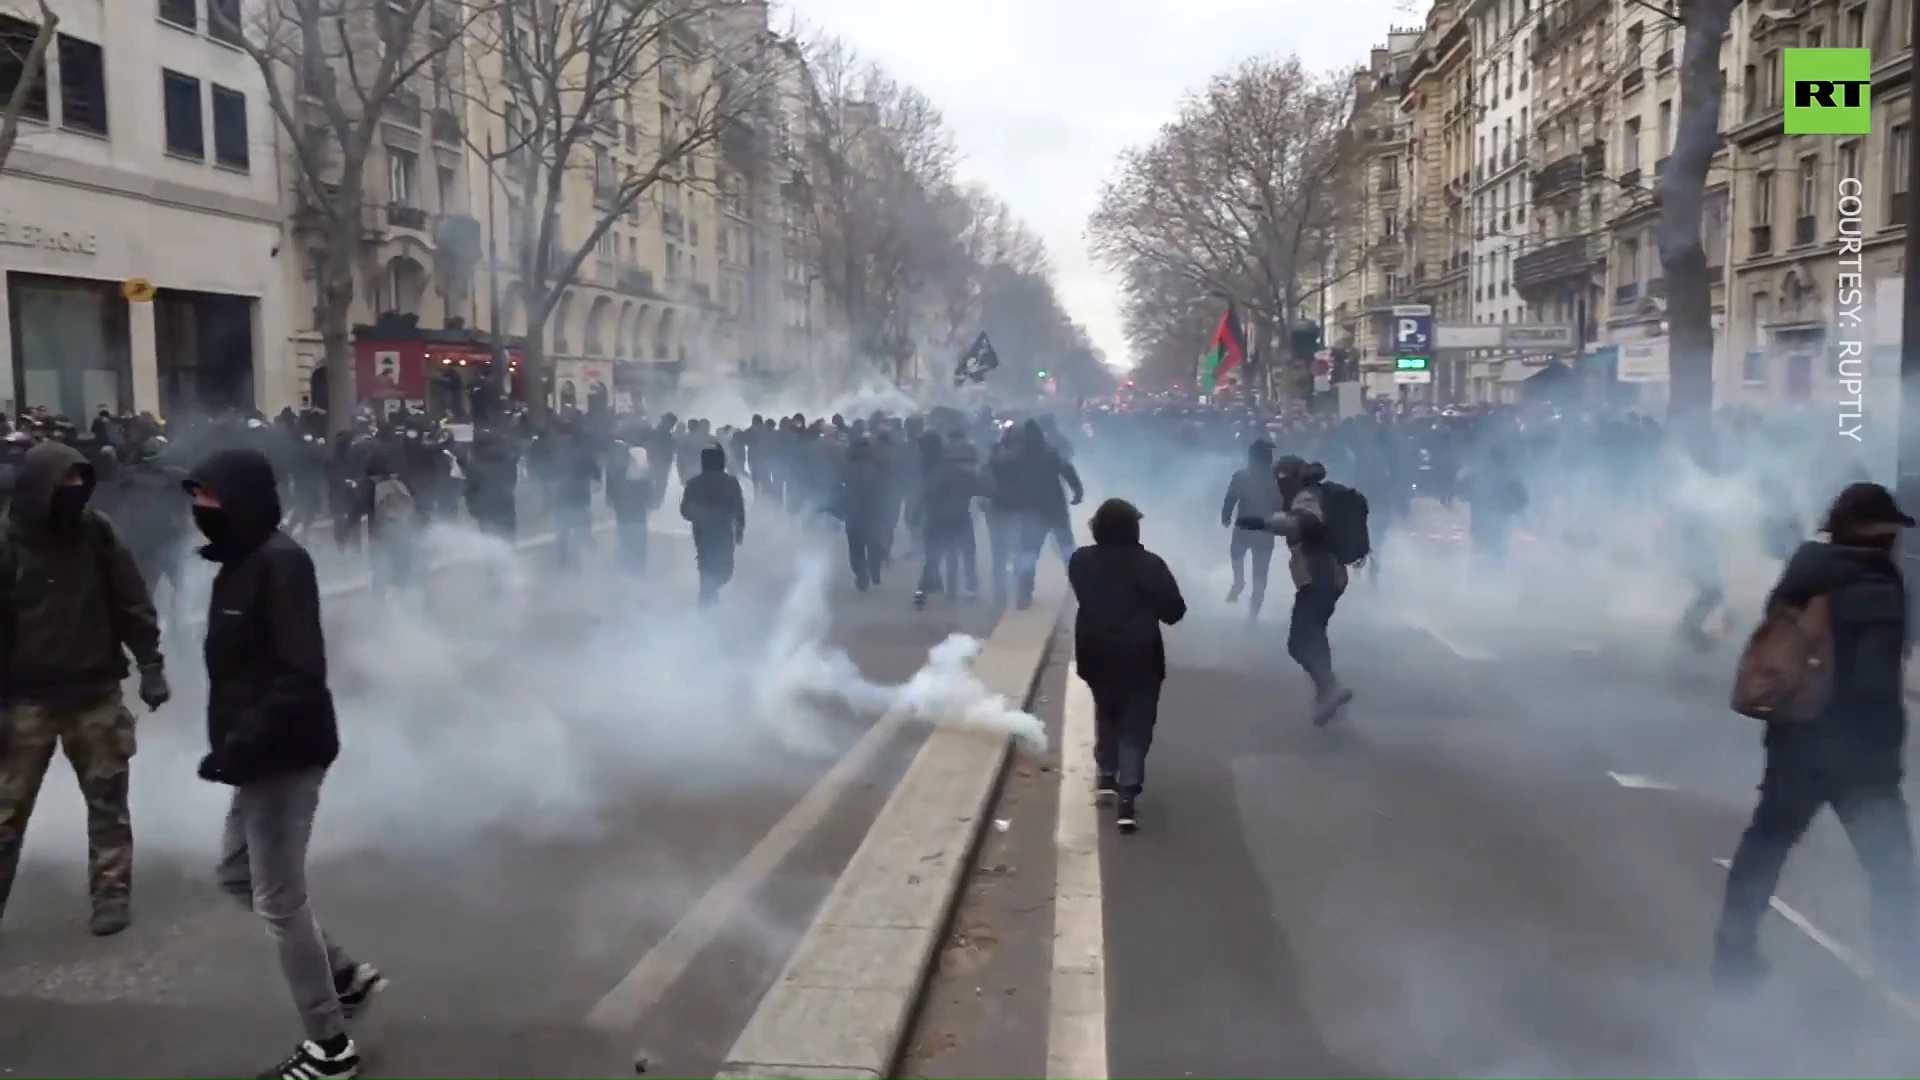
(534, 793)
(1500, 862)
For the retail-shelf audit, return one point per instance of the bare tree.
(562, 78)
(1683, 188)
(1238, 196)
(986, 236)
(881, 158)
(31, 55)
(334, 71)
(1167, 320)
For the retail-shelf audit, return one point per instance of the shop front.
(117, 299)
(442, 373)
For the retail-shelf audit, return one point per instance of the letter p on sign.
(1829, 92)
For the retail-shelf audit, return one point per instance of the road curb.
(841, 1008)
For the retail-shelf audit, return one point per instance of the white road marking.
(1077, 1010)
(662, 966)
(1419, 621)
(1847, 957)
(1641, 783)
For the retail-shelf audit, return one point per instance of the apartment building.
(145, 158)
(1645, 86)
(1784, 340)
(1369, 251)
(1437, 96)
(1501, 210)
(1560, 273)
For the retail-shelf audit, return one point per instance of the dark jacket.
(269, 711)
(1124, 593)
(75, 606)
(1862, 735)
(862, 501)
(713, 503)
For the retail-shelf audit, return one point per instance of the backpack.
(1785, 675)
(1345, 511)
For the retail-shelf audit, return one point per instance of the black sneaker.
(356, 986)
(309, 1062)
(110, 916)
(1108, 790)
(1233, 594)
(1328, 707)
(1125, 816)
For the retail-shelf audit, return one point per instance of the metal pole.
(1907, 481)
(498, 374)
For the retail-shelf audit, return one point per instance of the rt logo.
(1828, 92)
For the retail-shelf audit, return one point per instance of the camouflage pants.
(98, 739)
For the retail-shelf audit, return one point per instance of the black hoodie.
(1862, 734)
(269, 711)
(713, 503)
(76, 604)
(1123, 592)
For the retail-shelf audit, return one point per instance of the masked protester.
(271, 737)
(1319, 578)
(1124, 593)
(1253, 491)
(1852, 755)
(73, 604)
(717, 509)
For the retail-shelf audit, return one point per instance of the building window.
(180, 13)
(230, 128)
(1763, 199)
(223, 21)
(83, 86)
(402, 168)
(1850, 161)
(1896, 158)
(186, 131)
(449, 190)
(16, 42)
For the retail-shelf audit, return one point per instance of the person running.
(1255, 492)
(272, 735)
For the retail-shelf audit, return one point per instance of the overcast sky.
(1043, 95)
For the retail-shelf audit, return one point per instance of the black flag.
(976, 361)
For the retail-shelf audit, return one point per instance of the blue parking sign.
(1412, 328)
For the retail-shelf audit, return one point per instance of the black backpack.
(1345, 511)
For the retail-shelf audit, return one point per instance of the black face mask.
(211, 521)
(69, 502)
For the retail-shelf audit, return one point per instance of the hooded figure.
(1852, 756)
(1254, 491)
(1125, 593)
(1319, 579)
(72, 605)
(862, 505)
(717, 509)
(1027, 484)
(271, 735)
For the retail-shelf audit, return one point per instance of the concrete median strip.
(845, 1001)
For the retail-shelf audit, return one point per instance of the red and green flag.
(1227, 351)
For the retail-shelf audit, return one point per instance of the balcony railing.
(636, 281)
(403, 107)
(1626, 292)
(1567, 172)
(1716, 274)
(1557, 261)
(1803, 230)
(1897, 210)
(1664, 62)
(1660, 166)
(402, 216)
(1630, 178)
(1633, 80)
(1760, 240)
(446, 127)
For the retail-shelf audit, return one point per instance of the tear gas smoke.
(523, 704)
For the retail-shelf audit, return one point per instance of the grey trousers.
(263, 866)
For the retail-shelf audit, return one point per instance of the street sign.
(1536, 336)
(137, 290)
(1412, 363)
(1413, 378)
(1412, 328)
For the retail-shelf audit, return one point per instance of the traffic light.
(1411, 363)
(1041, 374)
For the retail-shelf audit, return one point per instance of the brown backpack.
(1786, 671)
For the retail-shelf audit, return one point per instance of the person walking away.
(1124, 594)
(630, 496)
(715, 507)
(1035, 474)
(1254, 492)
(73, 604)
(493, 475)
(1496, 497)
(150, 515)
(1851, 755)
(271, 737)
(575, 471)
(861, 503)
(1319, 578)
(945, 515)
